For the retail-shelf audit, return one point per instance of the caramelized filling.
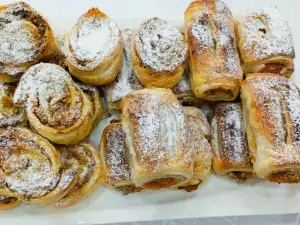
(161, 183)
(285, 177)
(240, 176)
(7, 200)
(190, 187)
(128, 189)
(272, 68)
(219, 91)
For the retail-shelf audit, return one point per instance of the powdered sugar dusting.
(159, 45)
(183, 86)
(91, 40)
(266, 34)
(126, 81)
(116, 153)
(228, 131)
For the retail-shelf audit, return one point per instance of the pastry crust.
(265, 42)
(116, 172)
(56, 107)
(271, 117)
(158, 54)
(126, 80)
(231, 155)
(199, 134)
(7, 201)
(10, 114)
(88, 174)
(215, 71)
(98, 64)
(25, 38)
(155, 128)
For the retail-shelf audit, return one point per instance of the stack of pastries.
(157, 78)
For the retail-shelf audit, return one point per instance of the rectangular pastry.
(199, 134)
(126, 80)
(231, 156)
(265, 42)
(215, 71)
(116, 172)
(155, 128)
(271, 108)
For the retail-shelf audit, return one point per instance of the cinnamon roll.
(271, 109)
(10, 114)
(215, 71)
(94, 48)
(199, 133)
(116, 172)
(229, 142)
(156, 135)
(126, 80)
(265, 42)
(89, 173)
(158, 54)
(25, 39)
(31, 167)
(56, 107)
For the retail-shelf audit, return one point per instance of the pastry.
(88, 173)
(199, 134)
(156, 135)
(215, 71)
(126, 80)
(7, 201)
(184, 92)
(56, 107)
(94, 48)
(231, 155)
(265, 42)
(10, 114)
(271, 109)
(158, 54)
(94, 96)
(25, 39)
(116, 172)
(31, 167)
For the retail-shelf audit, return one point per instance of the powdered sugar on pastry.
(126, 81)
(159, 45)
(267, 33)
(91, 40)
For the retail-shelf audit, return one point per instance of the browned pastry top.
(275, 102)
(229, 136)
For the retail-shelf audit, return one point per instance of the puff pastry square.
(271, 108)
(265, 42)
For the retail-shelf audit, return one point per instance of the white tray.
(217, 197)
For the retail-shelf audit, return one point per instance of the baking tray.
(218, 196)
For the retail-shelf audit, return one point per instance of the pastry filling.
(162, 183)
(272, 68)
(219, 92)
(128, 189)
(239, 176)
(191, 186)
(285, 177)
(7, 200)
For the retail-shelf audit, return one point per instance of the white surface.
(217, 197)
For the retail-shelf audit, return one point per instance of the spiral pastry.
(10, 114)
(56, 107)
(25, 39)
(94, 48)
(158, 54)
(89, 173)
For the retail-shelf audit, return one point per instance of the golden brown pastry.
(31, 167)
(7, 201)
(126, 81)
(158, 54)
(116, 172)
(199, 133)
(10, 114)
(271, 109)
(265, 42)
(231, 155)
(215, 71)
(184, 92)
(25, 39)
(94, 48)
(88, 174)
(156, 135)
(56, 107)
